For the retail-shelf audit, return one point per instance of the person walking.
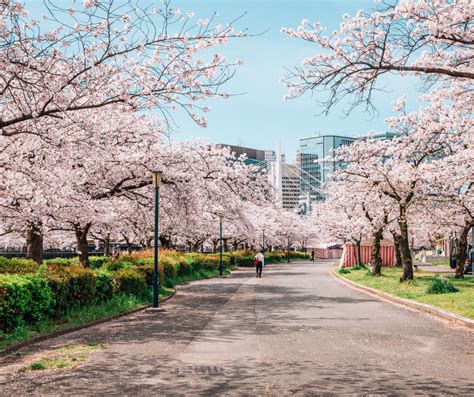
(259, 263)
(312, 256)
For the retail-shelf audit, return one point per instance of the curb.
(422, 307)
(17, 346)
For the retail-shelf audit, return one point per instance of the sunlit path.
(296, 330)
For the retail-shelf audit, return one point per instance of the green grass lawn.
(442, 263)
(461, 303)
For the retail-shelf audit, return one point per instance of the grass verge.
(117, 305)
(460, 303)
(64, 357)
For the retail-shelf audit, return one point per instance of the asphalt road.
(295, 331)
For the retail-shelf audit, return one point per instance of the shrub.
(244, 261)
(18, 265)
(441, 286)
(193, 262)
(299, 255)
(183, 268)
(144, 261)
(169, 269)
(62, 261)
(147, 272)
(359, 267)
(274, 257)
(71, 285)
(98, 261)
(81, 285)
(119, 265)
(103, 285)
(343, 270)
(129, 281)
(24, 299)
(128, 258)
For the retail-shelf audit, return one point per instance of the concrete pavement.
(295, 331)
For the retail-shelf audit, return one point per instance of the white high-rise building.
(285, 178)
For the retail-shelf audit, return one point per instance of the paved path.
(295, 331)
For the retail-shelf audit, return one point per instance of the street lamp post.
(156, 183)
(263, 240)
(221, 218)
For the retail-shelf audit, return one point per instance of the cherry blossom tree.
(432, 39)
(106, 53)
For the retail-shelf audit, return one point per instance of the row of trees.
(78, 92)
(420, 184)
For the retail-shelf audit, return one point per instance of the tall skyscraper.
(314, 169)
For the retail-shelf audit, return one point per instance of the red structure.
(387, 252)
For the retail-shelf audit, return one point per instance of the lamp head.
(157, 178)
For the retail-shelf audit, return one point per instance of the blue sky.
(260, 116)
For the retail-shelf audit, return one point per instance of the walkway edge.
(423, 307)
(40, 338)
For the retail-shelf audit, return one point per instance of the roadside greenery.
(461, 302)
(63, 357)
(59, 294)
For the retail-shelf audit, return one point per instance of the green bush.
(62, 261)
(193, 262)
(103, 285)
(72, 286)
(18, 266)
(169, 269)
(98, 261)
(183, 267)
(244, 261)
(441, 286)
(119, 265)
(24, 299)
(129, 281)
(343, 270)
(274, 257)
(147, 272)
(146, 261)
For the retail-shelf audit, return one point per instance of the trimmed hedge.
(129, 281)
(30, 293)
(62, 261)
(24, 299)
(72, 286)
(18, 266)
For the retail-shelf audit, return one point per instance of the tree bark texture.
(376, 258)
(405, 252)
(81, 239)
(34, 242)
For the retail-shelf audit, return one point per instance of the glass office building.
(314, 172)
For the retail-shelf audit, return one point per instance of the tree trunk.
(214, 246)
(404, 242)
(358, 254)
(107, 245)
(376, 258)
(461, 246)
(34, 242)
(288, 252)
(81, 239)
(396, 242)
(165, 241)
